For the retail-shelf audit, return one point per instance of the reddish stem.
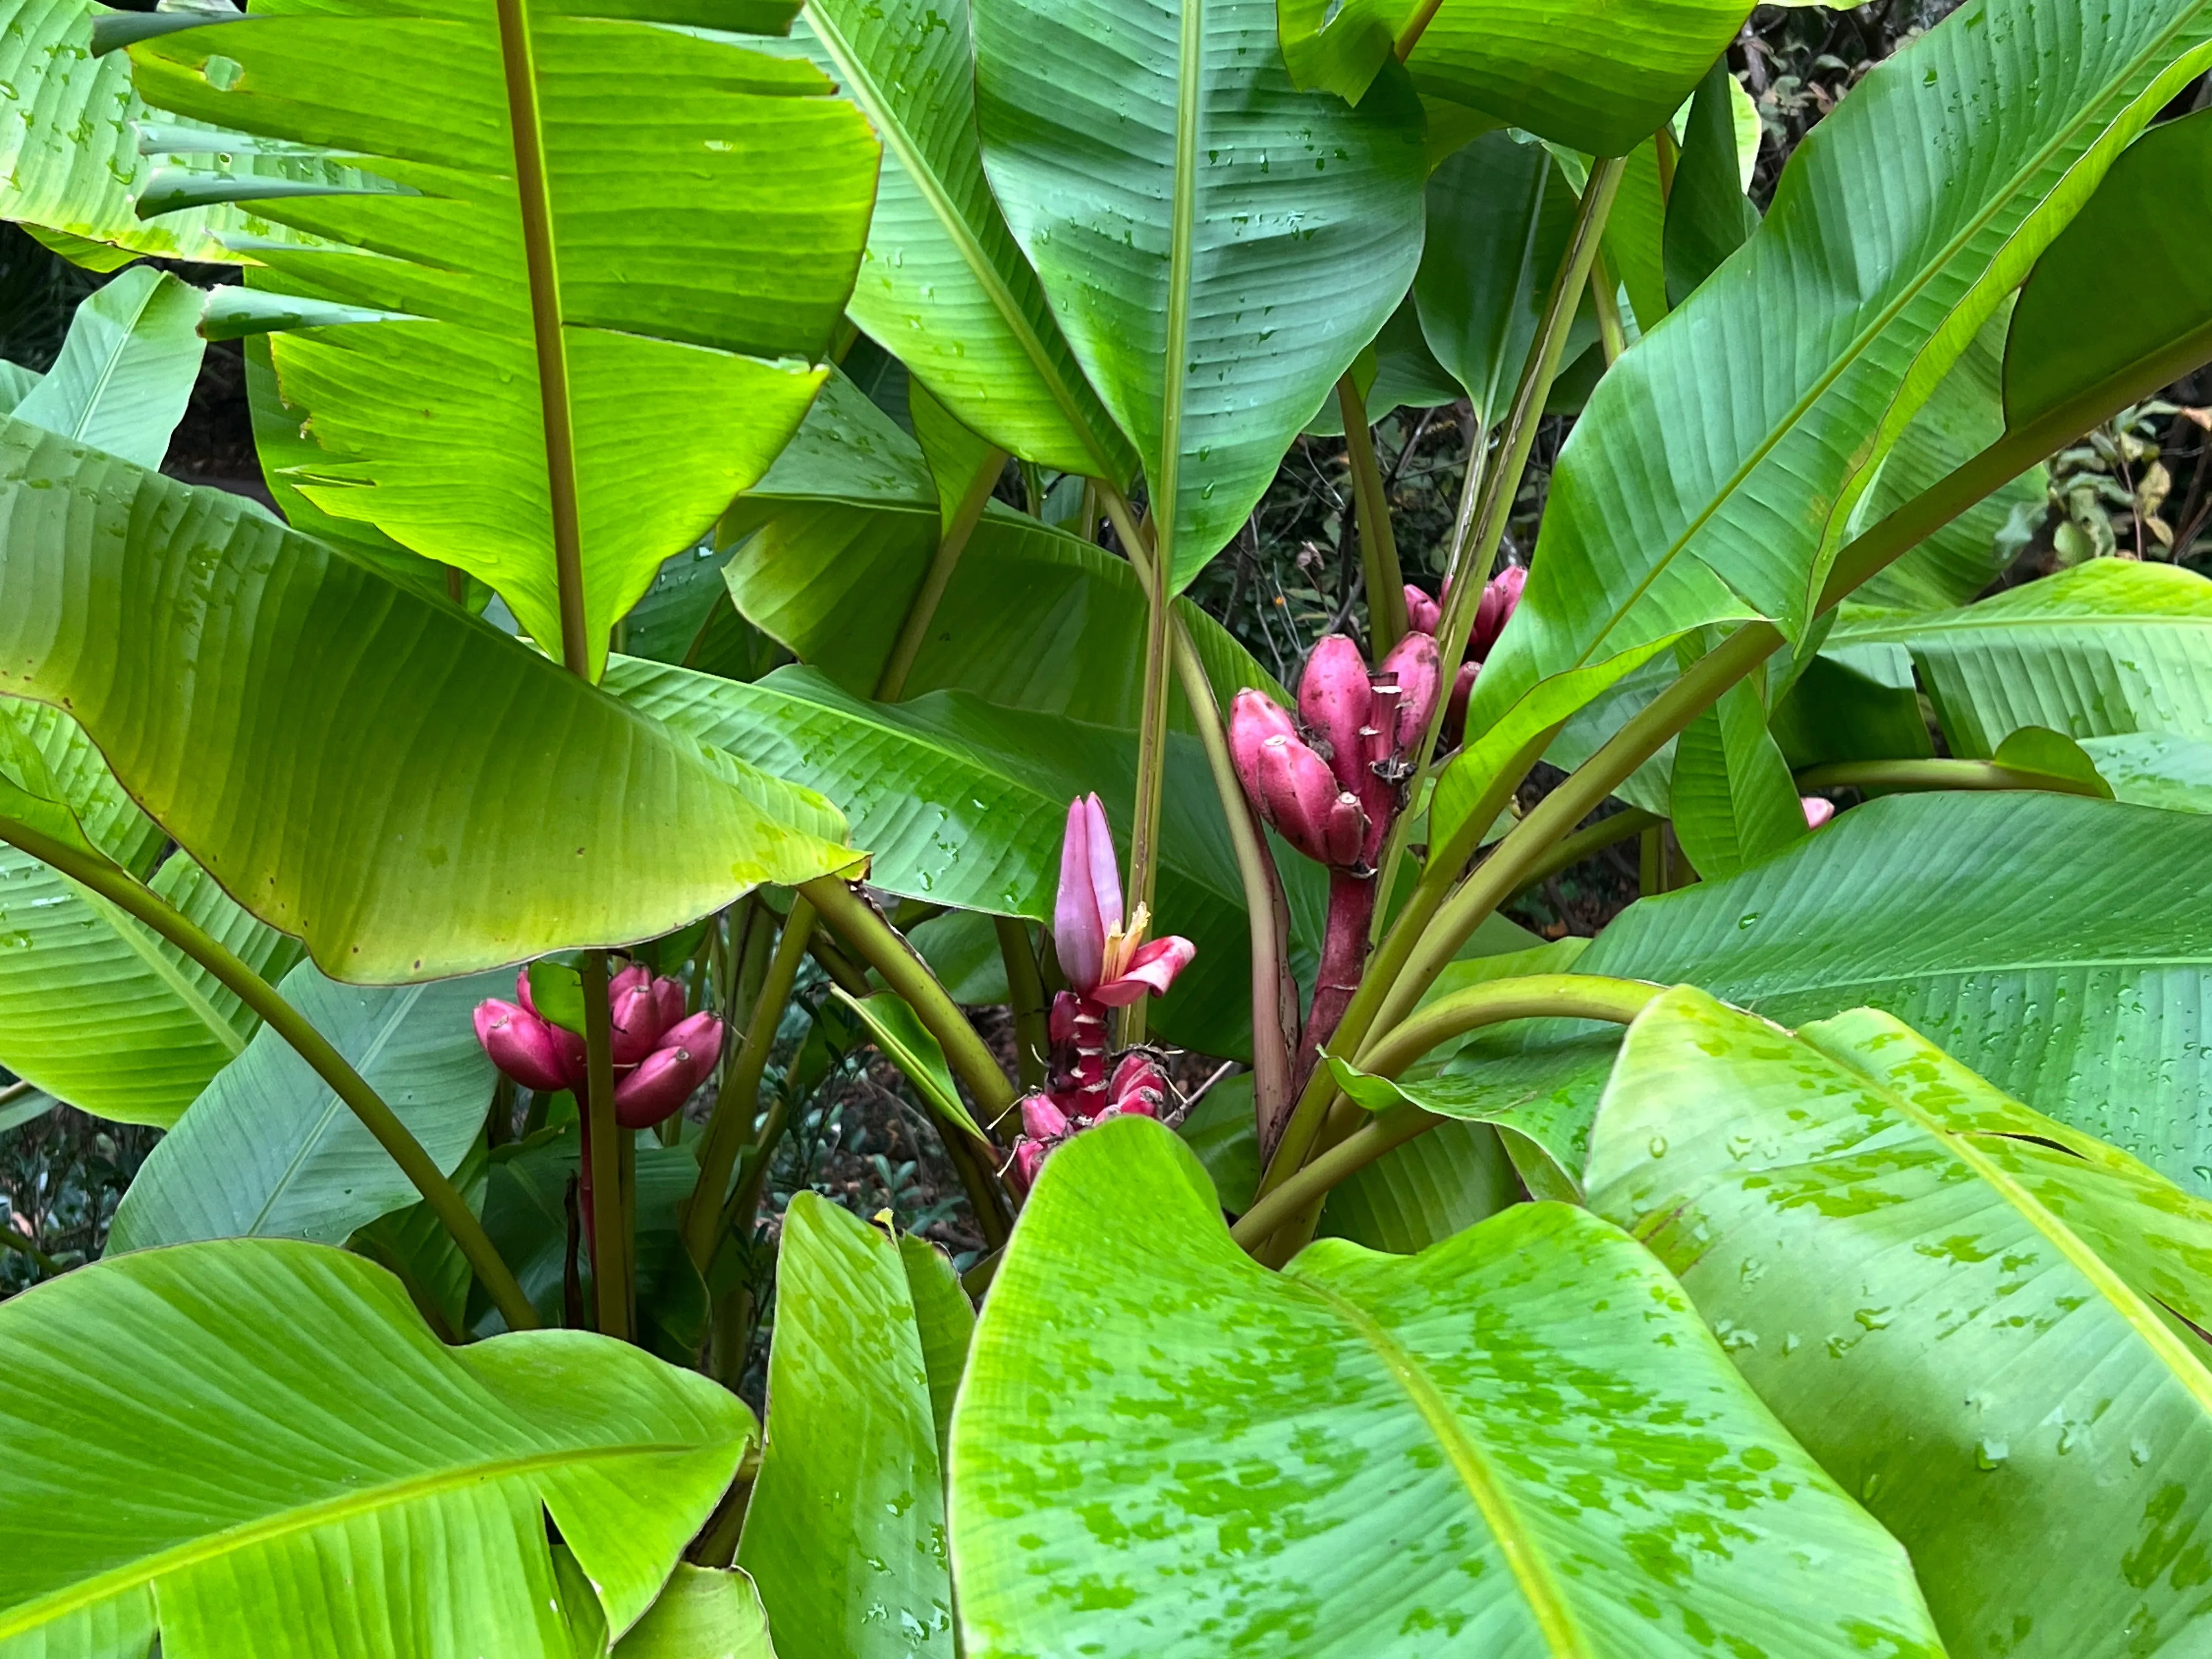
(1343, 957)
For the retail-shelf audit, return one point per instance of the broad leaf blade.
(1216, 246)
(1943, 1294)
(1139, 1383)
(2111, 646)
(688, 274)
(1714, 472)
(944, 286)
(276, 706)
(126, 368)
(268, 1150)
(845, 1534)
(908, 1044)
(291, 1393)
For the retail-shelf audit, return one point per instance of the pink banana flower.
(1104, 960)
(1818, 812)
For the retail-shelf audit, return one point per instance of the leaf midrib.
(103, 375)
(2019, 621)
(30, 1615)
(869, 95)
(1532, 1573)
(1861, 343)
(1182, 234)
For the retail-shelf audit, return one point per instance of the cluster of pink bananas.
(1108, 965)
(660, 1056)
(1500, 595)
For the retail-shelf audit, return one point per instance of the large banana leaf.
(845, 1531)
(2155, 768)
(1033, 618)
(1962, 416)
(1217, 245)
(95, 1006)
(964, 804)
(1730, 793)
(80, 152)
(2113, 645)
(1163, 1449)
(942, 286)
(618, 260)
(2061, 947)
(268, 1150)
(1988, 1326)
(279, 709)
(255, 1447)
(1715, 470)
(1586, 73)
(1500, 215)
(126, 368)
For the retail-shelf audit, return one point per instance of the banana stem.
(444, 1200)
(602, 1153)
(1378, 547)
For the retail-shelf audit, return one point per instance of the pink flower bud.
(1413, 660)
(1499, 599)
(535, 1055)
(1041, 1120)
(1422, 612)
(1089, 904)
(1334, 700)
(1818, 810)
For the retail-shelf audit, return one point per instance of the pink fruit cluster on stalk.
(1331, 789)
(1108, 964)
(660, 1056)
(1501, 595)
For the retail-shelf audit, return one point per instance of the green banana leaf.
(1708, 216)
(609, 310)
(1852, 703)
(943, 287)
(1988, 1326)
(904, 1040)
(2155, 768)
(1714, 472)
(2111, 646)
(1034, 619)
(275, 706)
(1500, 216)
(1165, 1448)
(95, 1006)
(702, 1612)
(2061, 947)
(1963, 416)
(1596, 77)
(964, 804)
(946, 1319)
(845, 1532)
(1730, 793)
(126, 368)
(1216, 246)
(268, 1150)
(310, 1438)
(82, 153)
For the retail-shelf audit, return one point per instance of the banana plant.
(728, 618)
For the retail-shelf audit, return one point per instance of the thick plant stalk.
(1486, 500)
(1902, 774)
(1343, 955)
(890, 685)
(1281, 1221)
(730, 1124)
(856, 922)
(602, 1154)
(444, 1199)
(1151, 771)
(1587, 843)
(1025, 989)
(1378, 547)
(1274, 992)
